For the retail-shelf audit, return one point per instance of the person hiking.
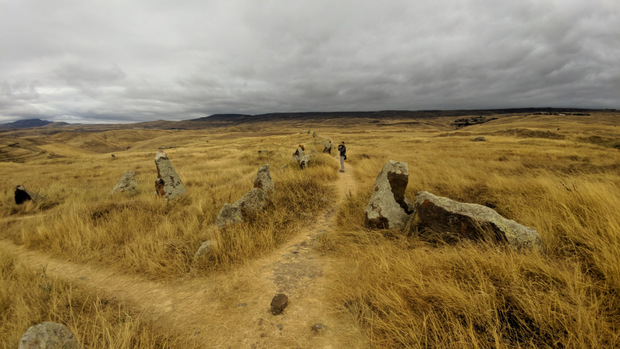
(343, 155)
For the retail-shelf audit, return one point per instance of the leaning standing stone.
(22, 195)
(128, 182)
(263, 181)
(388, 207)
(472, 221)
(48, 335)
(168, 183)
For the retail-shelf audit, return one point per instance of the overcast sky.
(140, 60)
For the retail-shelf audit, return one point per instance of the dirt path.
(231, 310)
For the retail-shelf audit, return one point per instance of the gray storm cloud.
(116, 61)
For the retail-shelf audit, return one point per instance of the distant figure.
(343, 155)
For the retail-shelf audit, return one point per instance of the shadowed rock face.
(472, 221)
(388, 207)
(22, 195)
(128, 182)
(168, 183)
(48, 335)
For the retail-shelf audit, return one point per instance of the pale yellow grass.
(404, 291)
(410, 292)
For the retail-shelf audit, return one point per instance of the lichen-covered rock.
(252, 202)
(327, 147)
(472, 221)
(229, 214)
(22, 195)
(298, 154)
(168, 183)
(263, 181)
(127, 183)
(388, 207)
(304, 161)
(48, 335)
(205, 250)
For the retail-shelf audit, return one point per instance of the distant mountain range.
(25, 124)
(236, 119)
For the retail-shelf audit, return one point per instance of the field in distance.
(118, 269)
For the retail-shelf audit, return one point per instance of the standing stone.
(168, 183)
(278, 303)
(304, 161)
(263, 181)
(22, 195)
(229, 214)
(327, 147)
(388, 207)
(128, 182)
(472, 221)
(48, 335)
(252, 202)
(299, 153)
(205, 249)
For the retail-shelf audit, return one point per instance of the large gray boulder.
(168, 183)
(48, 335)
(127, 183)
(472, 221)
(22, 195)
(263, 181)
(388, 207)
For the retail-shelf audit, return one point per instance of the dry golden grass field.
(118, 269)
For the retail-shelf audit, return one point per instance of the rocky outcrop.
(49, 335)
(251, 203)
(168, 183)
(127, 183)
(457, 220)
(388, 207)
(278, 303)
(22, 195)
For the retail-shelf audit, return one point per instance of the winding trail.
(231, 309)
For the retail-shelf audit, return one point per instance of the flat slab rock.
(472, 221)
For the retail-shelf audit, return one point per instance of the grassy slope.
(410, 293)
(404, 291)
